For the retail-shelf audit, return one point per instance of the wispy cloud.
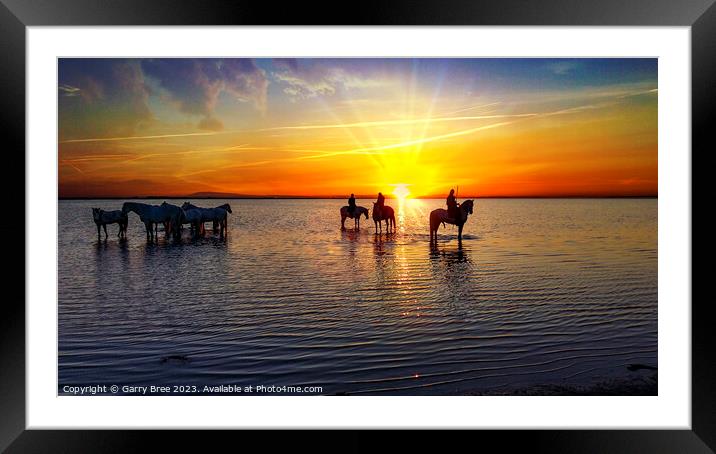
(563, 67)
(304, 83)
(639, 93)
(68, 90)
(195, 84)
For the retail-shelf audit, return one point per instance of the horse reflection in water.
(452, 270)
(449, 255)
(380, 241)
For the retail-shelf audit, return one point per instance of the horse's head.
(187, 206)
(365, 211)
(467, 205)
(227, 207)
(96, 214)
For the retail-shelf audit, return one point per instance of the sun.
(401, 191)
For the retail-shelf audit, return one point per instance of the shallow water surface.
(559, 291)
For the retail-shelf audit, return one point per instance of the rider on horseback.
(380, 203)
(453, 211)
(352, 204)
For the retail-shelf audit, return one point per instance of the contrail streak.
(408, 143)
(362, 151)
(402, 122)
(162, 136)
(480, 106)
(72, 165)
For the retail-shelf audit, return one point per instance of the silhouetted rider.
(452, 205)
(380, 203)
(352, 204)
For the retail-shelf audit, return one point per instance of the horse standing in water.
(102, 218)
(355, 216)
(383, 214)
(153, 215)
(440, 216)
(192, 216)
(174, 219)
(216, 223)
(217, 216)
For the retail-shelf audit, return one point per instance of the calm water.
(541, 292)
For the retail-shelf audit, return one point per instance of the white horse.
(152, 216)
(173, 221)
(386, 214)
(217, 216)
(221, 223)
(193, 217)
(355, 216)
(440, 216)
(102, 218)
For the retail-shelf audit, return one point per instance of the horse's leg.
(343, 222)
(459, 233)
(99, 234)
(104, 226)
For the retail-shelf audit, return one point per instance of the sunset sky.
(329, 127)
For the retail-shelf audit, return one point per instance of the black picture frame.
(16, 15)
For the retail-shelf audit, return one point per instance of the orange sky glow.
(325, 128)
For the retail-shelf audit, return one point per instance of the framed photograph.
(480, 220)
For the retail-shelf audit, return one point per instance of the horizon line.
(334, 197)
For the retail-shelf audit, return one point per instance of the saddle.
(453, 214)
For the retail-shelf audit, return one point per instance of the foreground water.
(540, 292)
